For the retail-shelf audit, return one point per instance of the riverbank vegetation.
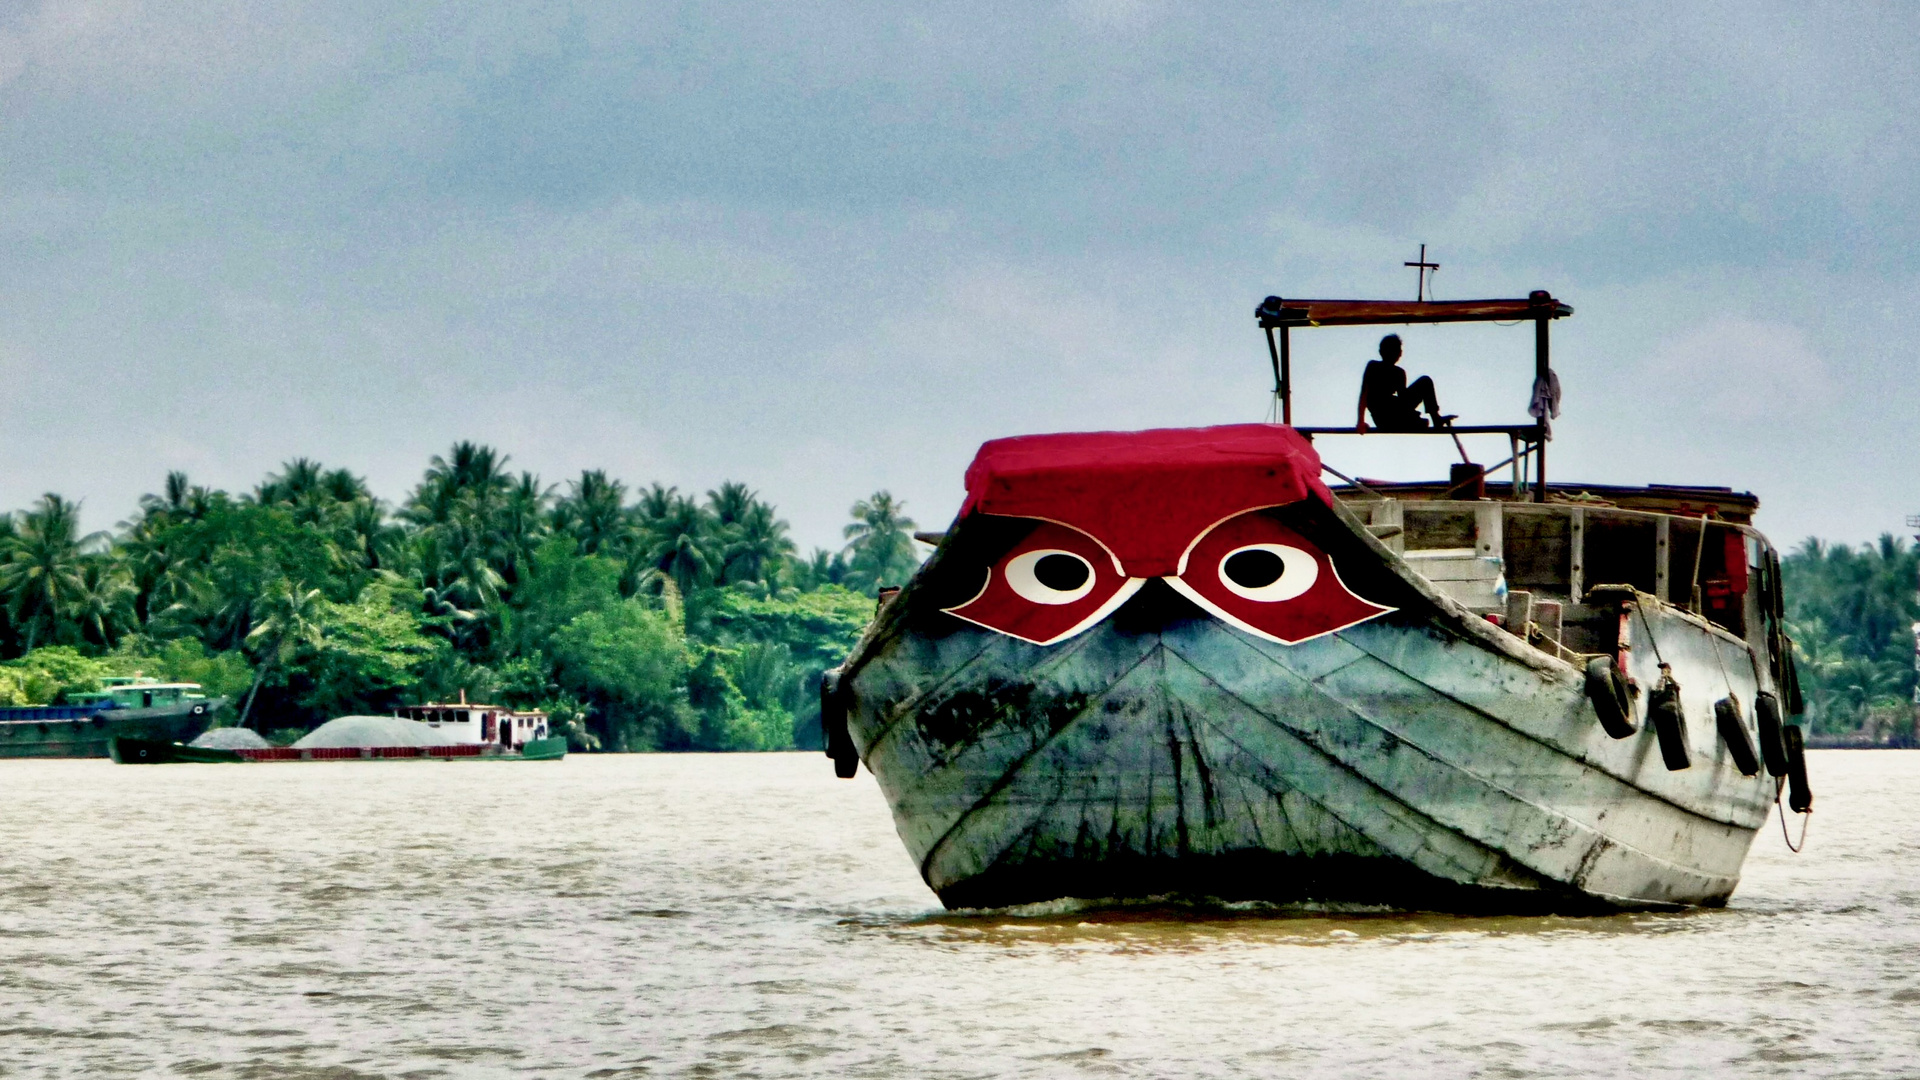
(639, 618)
(643, 619)
(1851, 613)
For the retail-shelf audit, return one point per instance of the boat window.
(1620, 550)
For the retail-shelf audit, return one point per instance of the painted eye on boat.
(1268, 573)
(1050, 576)
(1257, 575)
(1056, 582)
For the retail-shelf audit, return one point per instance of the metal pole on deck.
(1542, 369)
(1286, 379)
(1279, 384)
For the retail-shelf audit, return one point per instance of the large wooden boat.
(1178, 662)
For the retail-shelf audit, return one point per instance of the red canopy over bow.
(1146, 495)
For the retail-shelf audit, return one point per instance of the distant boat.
(124, 706)
(1176, 662)
(449, 731)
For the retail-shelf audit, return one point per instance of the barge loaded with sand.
(451, 731)
(1178, 662)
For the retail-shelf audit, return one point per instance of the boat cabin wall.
(1546, 558)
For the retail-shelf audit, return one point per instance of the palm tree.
(731, 504)
(679, 544)
(820, 569)
(595, 513)
(756, 546)
(879, 543)
(472, 470)
(287, 617)
(521, 524)
(367, 540)
(105, 607)
(43, 579)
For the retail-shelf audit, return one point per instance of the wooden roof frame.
(1538, 307)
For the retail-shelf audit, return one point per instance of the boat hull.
(89, 736)
(1420, 759)
(133, 751)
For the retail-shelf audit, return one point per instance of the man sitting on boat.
(1394, 404)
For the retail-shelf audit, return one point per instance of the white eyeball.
(1268, 573)
(1050, 576)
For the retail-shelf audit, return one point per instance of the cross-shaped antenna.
(1420, 294)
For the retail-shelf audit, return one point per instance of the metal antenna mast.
(1420, 292)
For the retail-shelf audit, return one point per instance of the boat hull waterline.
(129, 751)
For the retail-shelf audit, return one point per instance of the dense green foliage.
(642, 620)
(1851, 613)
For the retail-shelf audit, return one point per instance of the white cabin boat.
(473, 723)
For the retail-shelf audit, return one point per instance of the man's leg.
(1420, 393)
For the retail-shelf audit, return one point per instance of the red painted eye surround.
(1259, 576)
(1055, 583)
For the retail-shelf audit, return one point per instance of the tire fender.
(1607, 689)
(1733, 732)
(1766, 710)
(1669, 724)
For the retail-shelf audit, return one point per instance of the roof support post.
(1282, 374)
(1286, 377)
(1542, 369)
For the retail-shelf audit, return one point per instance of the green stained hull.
(90, 738)
(155, 752)
(549, 749)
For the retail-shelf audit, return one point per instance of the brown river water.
(749, 915)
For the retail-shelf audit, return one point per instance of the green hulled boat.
(124, 707)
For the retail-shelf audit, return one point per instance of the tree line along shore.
(639, 619)
(645, 619)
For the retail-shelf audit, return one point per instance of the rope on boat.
(1805, 819)
(1641, 610)
(1354, 482)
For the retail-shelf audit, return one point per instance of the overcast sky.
(827, 248)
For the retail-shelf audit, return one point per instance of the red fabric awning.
(1145, 495)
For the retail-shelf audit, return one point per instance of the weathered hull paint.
(1423, 759)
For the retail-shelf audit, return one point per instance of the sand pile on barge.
(230, 738)
(347, 731)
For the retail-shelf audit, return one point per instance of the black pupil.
(1061, 573)
(1254, 569)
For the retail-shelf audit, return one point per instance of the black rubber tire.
(1733, 732)
(1670, 725)
(1766, 710)
(833, 725)
(1607, 689)
(1799, 795)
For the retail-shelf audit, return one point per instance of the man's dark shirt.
(1383, 383)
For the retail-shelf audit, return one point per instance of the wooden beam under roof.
(1275, 312)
